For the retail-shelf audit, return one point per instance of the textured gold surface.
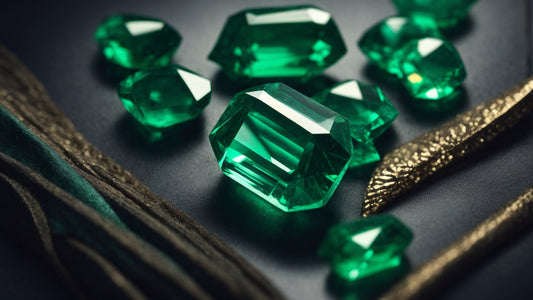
(470, 249)
(408, 165)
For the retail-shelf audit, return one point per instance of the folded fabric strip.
(116, 239)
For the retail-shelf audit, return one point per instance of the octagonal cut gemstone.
(365, 247)
(283, 146)
(381, 42)
(280, 42)
(365, 106)
(137, 42)
(166, 96)
(447, 13)
(431, 68)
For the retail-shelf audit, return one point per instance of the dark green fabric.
(22, 145)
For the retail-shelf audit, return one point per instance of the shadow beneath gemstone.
(459, 30)
(285, 236)
(108, 73)
(386, 142)
(229, 87)
(151, 141)
(362, 172)
(367, 288)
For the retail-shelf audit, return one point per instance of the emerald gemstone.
(447, 13)
(166, 96)
(281, 42)
(283, 146)
(365, 107)
(363, 153)
(383, 40)
(137, 42)
(365, 247)
(431, 68)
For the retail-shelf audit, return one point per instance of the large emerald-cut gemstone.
(381, 42)
(283, 146)
(365, 247)
(365, 107)
(447, 13)
(137, 42)
(280, 42)
(166, 96)
(431, 68)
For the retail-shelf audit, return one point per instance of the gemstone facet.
(365, 107)
(447, 13)
(364, 247)
(280, 42)
(364, 153)
(166, 96)
(381, 42)
(431, 68)
(137, 42)
(283, 146)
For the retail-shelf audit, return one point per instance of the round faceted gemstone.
(283, 146)
(381, 42)
(365, 107)
(446, 13)
(166, 96)
(431, 68)
(137, 42)
(365, 247)
(280, 42)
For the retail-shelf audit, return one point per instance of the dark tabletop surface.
(55, 39)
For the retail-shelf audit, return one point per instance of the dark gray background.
(54, 38)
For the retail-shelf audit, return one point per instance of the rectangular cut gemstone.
(278, 42)
(283, 146)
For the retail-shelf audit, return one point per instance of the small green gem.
(381, 42)
(431, 68)
(283, 146)
(447, 13)
(137, 42)
(369, 112)
(364, 247)
(166, 96)
(280, 42)
(364, 153)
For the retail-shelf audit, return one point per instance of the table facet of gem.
(283, 146)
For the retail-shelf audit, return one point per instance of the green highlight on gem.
(382, 41)
(365, 247)
(137, 42)
(431, 68)
(166, 96)
(295, 42)
(447, 13)
(283, 146)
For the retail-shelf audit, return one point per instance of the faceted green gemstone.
(165, 96)
(431, 68)
(137, 42)
(283, 146)
(447, 13)
(281, 42)
(364, 106)
(364, 247)
(383, 40)
(364, 153)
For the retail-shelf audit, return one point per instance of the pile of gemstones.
(290, 149)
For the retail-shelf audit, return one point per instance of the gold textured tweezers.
(406, 166)
(466, 252)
